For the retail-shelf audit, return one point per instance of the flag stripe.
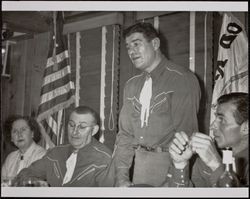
(60, 58)
(57, 92)
(59, 104)
(56, 84)
(49, 131)
(57, 100)
(61, 66)
(53, 124)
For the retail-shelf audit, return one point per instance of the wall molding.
(94, 22)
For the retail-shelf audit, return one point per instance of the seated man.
(84, 162)
(230, 129)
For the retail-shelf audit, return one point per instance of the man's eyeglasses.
(79, 128)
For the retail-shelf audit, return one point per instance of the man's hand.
(179, 150)
(204, 146)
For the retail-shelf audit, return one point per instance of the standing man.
(160, 101)
(84, 162)
(230, 129)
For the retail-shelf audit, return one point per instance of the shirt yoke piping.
(56, 162)
(171, 70)
(207, 173)
(133, 78)
(162, 94)
(91, 168)
(133, 98)
(102, 152)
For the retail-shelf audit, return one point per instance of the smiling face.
(81, 127)
(143, 53)
(226, 129)
(21, 134)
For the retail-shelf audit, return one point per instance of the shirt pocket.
(136, 106)
(161, 103)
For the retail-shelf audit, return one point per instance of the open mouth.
(135, 58)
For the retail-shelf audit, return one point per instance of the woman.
(24, 133)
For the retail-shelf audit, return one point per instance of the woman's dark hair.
(32, 123)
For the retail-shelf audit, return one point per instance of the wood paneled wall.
(21, 92)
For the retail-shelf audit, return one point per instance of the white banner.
(231, 73)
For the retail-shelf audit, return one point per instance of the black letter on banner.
(234, 28)
(219, 66)
(226, 40)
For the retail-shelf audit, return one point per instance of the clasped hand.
(182, 148)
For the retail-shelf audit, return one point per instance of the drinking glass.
(7, 182)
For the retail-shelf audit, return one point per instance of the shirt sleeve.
(106, 178)
(203, 176)
(178, 177)
(216, 175)
(123, 151)
(10, 164)
(186, 101)
(4, 171)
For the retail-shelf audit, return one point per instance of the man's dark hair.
(88, 110)
(146, 29)
(240, 100)
(32, 123)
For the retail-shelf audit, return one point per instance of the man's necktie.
(70, 165)
(145, 97)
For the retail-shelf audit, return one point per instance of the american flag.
(232, 63)
(57, 92)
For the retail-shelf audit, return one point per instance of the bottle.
(228, 178)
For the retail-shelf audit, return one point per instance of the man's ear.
(95, 130)
(156, 43)
(244, 128)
